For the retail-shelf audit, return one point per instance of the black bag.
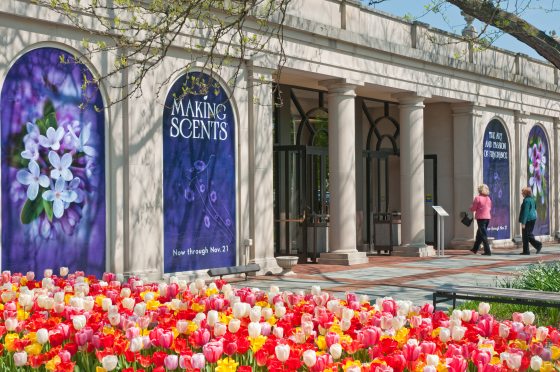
(466, 220)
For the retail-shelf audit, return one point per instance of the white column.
(260, 241)
(517, 154)
(342, 176)
(464, 183)
(556, 191)
(411, 117)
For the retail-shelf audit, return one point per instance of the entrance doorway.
(301, 175)
(430, 198)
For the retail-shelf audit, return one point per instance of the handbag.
(466, 220)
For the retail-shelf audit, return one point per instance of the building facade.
(371, 122)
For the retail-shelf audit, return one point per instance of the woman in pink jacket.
(481, 207)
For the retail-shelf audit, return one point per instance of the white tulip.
(136, 344)
(79, 322)
(42, 336)
(128, 303)
(466, 316)
(89, 302)
(309, 358)
(432, 360)
(199, 284)
(212, 317)
(345, 324)
(336, 351)
(234, 325)
(254, 329)
(542, 333)
(315, 290)
(238, 310)
(278, 332)
(11, 324)
(536, 363)
(347, 313)
(457, 333)
(59, 297)
(528, 318)
(114, 319)
(63, 271)
(182, 326)
(255, 314)
(105, 303)
(279, 311)
(267, 313)
(47, 273)
(199, 318)
(282, 352)
(125, 292)
(484, 308)
(444, 334)
(109, 362)
(219, 329)
(140, 309)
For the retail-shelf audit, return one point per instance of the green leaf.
(48, 209)
(31, 210)
(50, 121)
(48, 108)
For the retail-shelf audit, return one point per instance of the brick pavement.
(409, 277)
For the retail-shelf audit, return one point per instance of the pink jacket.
(481, 206)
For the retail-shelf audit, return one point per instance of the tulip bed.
(70, 322)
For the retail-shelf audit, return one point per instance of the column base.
(414, 251)
(269, 266)
(345, 258)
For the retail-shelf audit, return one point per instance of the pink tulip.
(322, 362)
(81, 338)
(165, 339)
(456, 364)
(171, 362)
(201, 336)
(20, 359)
(370, 336)
(411, 352)
(332, 338)
(132, 332)
(213, 351)
(485, 327)
(481, 357)
(428, 347)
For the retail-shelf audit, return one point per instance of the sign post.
(440, 228)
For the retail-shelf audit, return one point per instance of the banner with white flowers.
(199, 185)
(538, 163)
(53, 176)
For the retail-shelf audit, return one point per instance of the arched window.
(53, 165)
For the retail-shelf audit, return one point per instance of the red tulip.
(213, 351)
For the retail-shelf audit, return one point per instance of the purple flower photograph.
(53, 165)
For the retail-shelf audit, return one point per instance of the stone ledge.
(346, 259)
(414, 251)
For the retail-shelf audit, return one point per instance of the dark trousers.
(482, 236)
(528, 237)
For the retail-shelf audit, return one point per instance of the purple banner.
(537, 177)
(495, 159)
(199, 190)
(53, 157)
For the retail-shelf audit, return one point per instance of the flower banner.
(495, 158)
(198, 175)
(53, 177)
(538, 177)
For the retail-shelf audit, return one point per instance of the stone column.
(261, 176)
(342, 175)
(464, 183)
(556, 169)
(411, 117)
(519, 150)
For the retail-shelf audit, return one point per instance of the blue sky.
(450, 18)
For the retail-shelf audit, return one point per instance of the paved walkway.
(408, 278)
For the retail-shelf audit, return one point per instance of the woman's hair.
(483, 190)
(526, 191)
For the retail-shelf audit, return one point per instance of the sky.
(451, 20)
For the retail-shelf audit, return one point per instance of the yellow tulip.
(9, 341)
(257, 342)
(34, 349)
(227, 365)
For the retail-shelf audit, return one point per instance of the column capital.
(341, 86)
(411, 98)
(466, 109)
(556, 123)
(520, 117)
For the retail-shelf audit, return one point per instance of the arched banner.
(538, 162)
(198, 176)
(495, 160)
(53, 158)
